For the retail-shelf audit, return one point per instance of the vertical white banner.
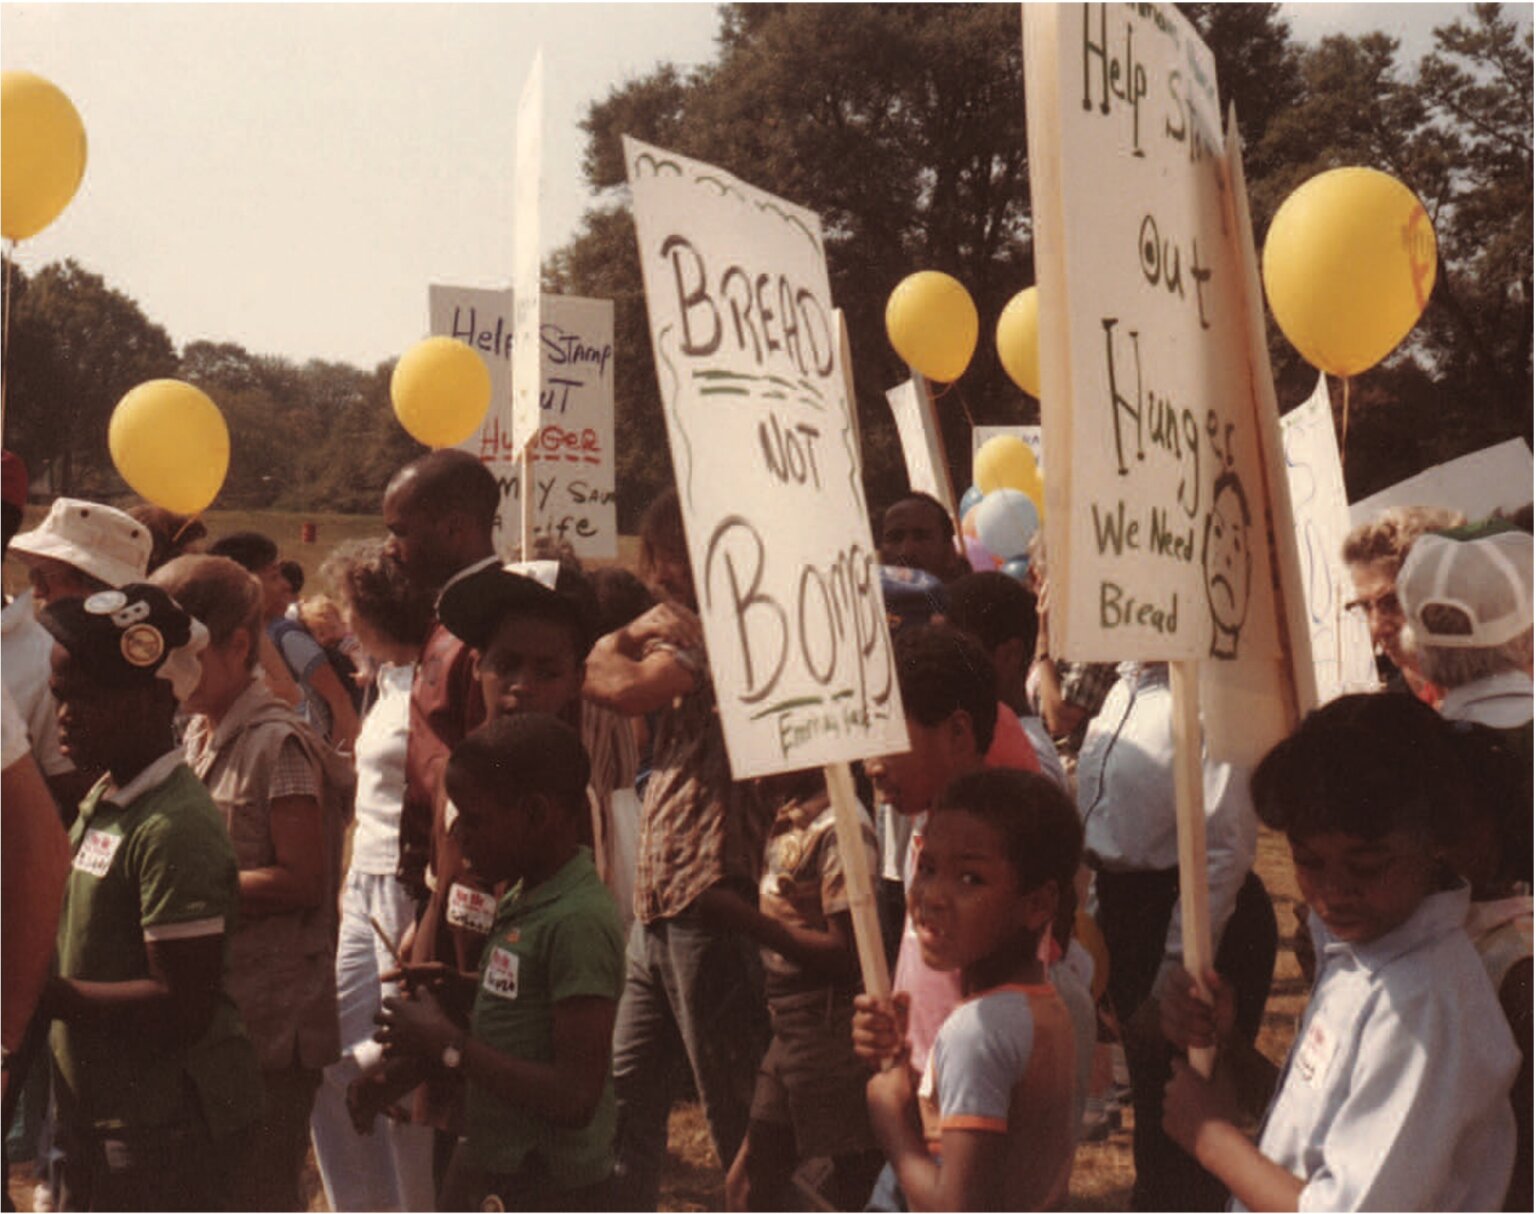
(921, 445)
(526, 363)
(1341, 642)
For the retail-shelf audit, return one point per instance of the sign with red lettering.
(572, 451)
(757, 412)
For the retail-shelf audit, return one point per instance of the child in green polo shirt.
(539, 1109)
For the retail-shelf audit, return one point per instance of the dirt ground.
(1101, 1179)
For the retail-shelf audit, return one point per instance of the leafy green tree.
(83, 346)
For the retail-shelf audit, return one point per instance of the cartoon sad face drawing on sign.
(1228, 563)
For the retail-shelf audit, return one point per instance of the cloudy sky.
(292, 177)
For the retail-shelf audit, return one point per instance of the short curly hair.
(1390, 535)
(941, 669)
(374, 587)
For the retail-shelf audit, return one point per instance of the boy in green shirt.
(156, 1077)
(539, 1109)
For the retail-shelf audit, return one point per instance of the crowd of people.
(442, 874)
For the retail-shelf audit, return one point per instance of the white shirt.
(380, 754)
(26, 649)
(1045, 750)
(1395, 1095)
(1501, 701)
(1126, 800)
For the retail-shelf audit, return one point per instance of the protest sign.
(1495, 478)
(1030, 435)
(757, 418)
(1341, 641)
(921, 444)
(572, 455)
(1155, 510)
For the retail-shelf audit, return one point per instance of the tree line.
(903, 127)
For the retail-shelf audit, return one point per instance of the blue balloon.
(1006, 520)
(1017, 569)
(972, 496)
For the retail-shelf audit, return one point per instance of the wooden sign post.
(526, 380)
(758, 419)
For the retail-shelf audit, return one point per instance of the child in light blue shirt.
(1396, 1091)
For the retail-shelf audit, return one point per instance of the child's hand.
(892, 1099)
(1188, 1021)
(417, 1025)
(422, 975)
(880, 1027)
(1190, 1103)
(367, 1097)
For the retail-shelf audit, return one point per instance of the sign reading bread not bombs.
(571, 454)
(1156, 509)
(757, 416)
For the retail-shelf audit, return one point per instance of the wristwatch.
(453, 1054)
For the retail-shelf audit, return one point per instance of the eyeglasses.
(1385, 603)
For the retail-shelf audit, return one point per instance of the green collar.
(516, 902)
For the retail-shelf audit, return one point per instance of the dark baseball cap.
(473, 607)
(134, 634)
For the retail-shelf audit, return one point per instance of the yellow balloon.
(170, 443)
(42, 154)
(1349, 263)
(932, 323)
(1035, 491)
(1005, 462)
(440, 390)
(1018, 340)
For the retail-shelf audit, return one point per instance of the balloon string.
(1344, 442)
(190, 519)
(5, 329)
(953, 386)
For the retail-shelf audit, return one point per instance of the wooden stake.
(848, 817)
(1189, 809)
(525, 486)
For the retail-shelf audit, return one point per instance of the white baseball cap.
(102, 541)
(1477, 592)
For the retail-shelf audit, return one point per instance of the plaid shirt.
(698, 827)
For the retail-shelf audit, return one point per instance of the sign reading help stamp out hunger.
(784, 567)
(1156, 504)
(572, 454)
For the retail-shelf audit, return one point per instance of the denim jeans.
(693, 993)
(390, 1169)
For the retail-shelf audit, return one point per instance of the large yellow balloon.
(932, 323)
(42, 154)
(170, 443)
(1018, 340)
(1005, 462)
(440, 390)
(1349, 263)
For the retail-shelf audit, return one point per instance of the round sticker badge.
(142, 645)
(105, 602)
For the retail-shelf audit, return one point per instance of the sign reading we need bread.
(572, 452)
(1156, 510)
(758, 421)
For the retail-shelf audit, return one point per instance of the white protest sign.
(921, 445)
(1155, 514)
(981, 435)
(778, 532)
(1495, 478)
(526, 411)
(1341, 641)
(572, 451)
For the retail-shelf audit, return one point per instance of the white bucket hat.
(98, 540)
